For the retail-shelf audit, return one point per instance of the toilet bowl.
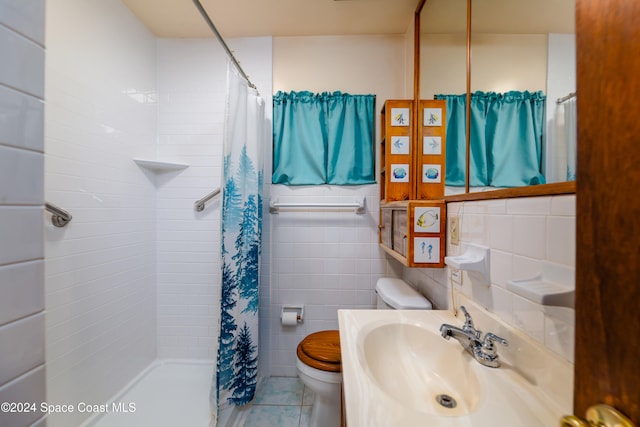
(320, 368)
(319, 360)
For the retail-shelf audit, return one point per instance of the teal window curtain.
(506, 138)
(325, 138)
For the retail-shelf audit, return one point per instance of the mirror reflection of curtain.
(506, 138)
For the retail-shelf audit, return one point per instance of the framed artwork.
(431, 174)
(399, 145)
(399, 173)
(432, 117)
(426, 220)
(432, 145)
(426, 250)
(400, 117)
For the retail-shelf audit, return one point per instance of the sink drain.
(446, 401)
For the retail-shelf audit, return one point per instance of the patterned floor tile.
(273, 416)
(279, 391)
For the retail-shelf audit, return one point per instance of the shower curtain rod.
(222, 42)
(566, 98)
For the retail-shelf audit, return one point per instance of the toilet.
(319, 360)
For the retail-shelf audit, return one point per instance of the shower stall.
(133, 137)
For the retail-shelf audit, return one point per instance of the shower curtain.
(571, 136)
(564, 147)
(244, 130)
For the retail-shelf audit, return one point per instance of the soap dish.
(475, 258)
(554, 286)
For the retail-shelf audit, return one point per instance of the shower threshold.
(167, 394)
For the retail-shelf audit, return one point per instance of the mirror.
(516, 45)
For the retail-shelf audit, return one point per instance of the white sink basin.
(400, 358)
(395, 366)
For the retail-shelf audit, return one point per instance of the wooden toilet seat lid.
(321, 350)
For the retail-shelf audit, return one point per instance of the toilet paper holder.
(288, 308)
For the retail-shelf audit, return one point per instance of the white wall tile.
(561, 240)
(191, 85)
(21, 120)
(21, 346)
(501, 267)
(522, 234)
(563, 205)
(529, 206)
(100, 268)
(21, 234)
(560, 331)
(26, 71)
(24, 170)
(30, 387)
(21, 289)
(500, 232)
(21, 181)
(502, 304)
(529, 317)
(473, 228)
(25, 17)
(524, 267)
(529, 236)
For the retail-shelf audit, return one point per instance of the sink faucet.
(483, 350)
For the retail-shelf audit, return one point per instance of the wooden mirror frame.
(568, 187)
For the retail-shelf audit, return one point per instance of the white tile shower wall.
(191, 97)
(522, 233)
(328, 260)
(100, 269)
(192, 77)
(21, 207)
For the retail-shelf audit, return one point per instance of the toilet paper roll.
(289, 318)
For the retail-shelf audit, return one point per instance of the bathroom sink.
(400, 357)
(398, 371)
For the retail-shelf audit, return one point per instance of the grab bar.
(566, 98)
(199, 204)
(358, 205)
(59, 217)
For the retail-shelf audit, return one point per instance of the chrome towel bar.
(199, 204)
(59, 217)
(274, 206)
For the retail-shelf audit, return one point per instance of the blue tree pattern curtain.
(244, 131)
(325, 138)
(506, 138)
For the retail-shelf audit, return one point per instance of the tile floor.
(282, 402)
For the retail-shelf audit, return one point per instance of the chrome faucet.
(483, 350)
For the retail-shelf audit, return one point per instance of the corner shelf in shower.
(158, 166)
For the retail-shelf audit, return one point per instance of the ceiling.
(499, 16)
(253, 18)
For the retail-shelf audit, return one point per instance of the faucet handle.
(468, 322)
(488, 345)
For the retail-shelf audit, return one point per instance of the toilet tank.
(396, 294)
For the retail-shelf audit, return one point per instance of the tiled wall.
(100, 269)
(561, 81)
(328, 260)
(22, 372)
(522, 233)
(192, 88)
